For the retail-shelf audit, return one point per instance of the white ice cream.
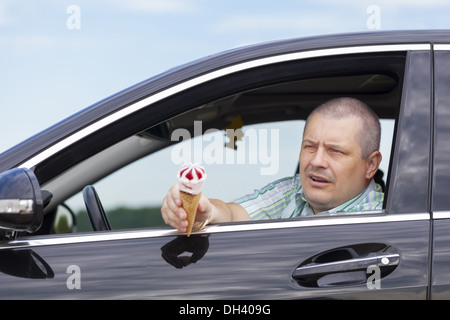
(191, 178)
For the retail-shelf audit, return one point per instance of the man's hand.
(174, 215)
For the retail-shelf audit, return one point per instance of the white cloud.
(328, 17)
(255, 23)
(287, 24)
(412, 3)
(38, 41)
(5, 19)
(386, 3)
(156, 6)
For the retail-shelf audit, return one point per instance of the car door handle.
(347, 265)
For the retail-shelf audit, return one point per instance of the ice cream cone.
(191, 178)
(190, 204)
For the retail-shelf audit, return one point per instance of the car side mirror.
(21, 204)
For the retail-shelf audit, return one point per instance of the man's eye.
(336, 151)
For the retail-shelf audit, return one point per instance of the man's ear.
(373, 162)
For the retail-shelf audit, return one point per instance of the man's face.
(331, 168)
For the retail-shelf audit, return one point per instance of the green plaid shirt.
(284, 199)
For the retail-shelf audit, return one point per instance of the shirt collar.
(359, 199)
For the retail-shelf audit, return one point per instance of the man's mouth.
(319, 181)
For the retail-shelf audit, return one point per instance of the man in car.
(339, 157)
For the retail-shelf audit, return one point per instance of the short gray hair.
(345, 107)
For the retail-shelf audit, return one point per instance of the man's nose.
(320, 159)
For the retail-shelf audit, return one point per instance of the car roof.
(75, 122)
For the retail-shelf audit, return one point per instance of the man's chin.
(319, 204)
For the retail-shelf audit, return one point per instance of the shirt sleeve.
(270, 201)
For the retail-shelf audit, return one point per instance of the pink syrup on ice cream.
(191, 178)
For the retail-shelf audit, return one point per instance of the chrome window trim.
(35, 160)
(441, 47)
(441, 215)
(152, 233)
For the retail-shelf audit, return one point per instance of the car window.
(261, 153)
(266, 120)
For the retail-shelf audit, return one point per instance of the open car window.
(237, 161)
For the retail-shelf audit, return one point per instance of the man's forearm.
(227, 212)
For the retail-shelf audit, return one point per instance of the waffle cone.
(190, 204)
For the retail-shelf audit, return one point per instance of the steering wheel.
(95, 210)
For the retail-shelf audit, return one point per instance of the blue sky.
(50, 71)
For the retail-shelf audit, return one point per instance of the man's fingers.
(176, 219)
(172, 211)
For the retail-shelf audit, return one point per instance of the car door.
(371, 255)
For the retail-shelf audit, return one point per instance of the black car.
(400, 252)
